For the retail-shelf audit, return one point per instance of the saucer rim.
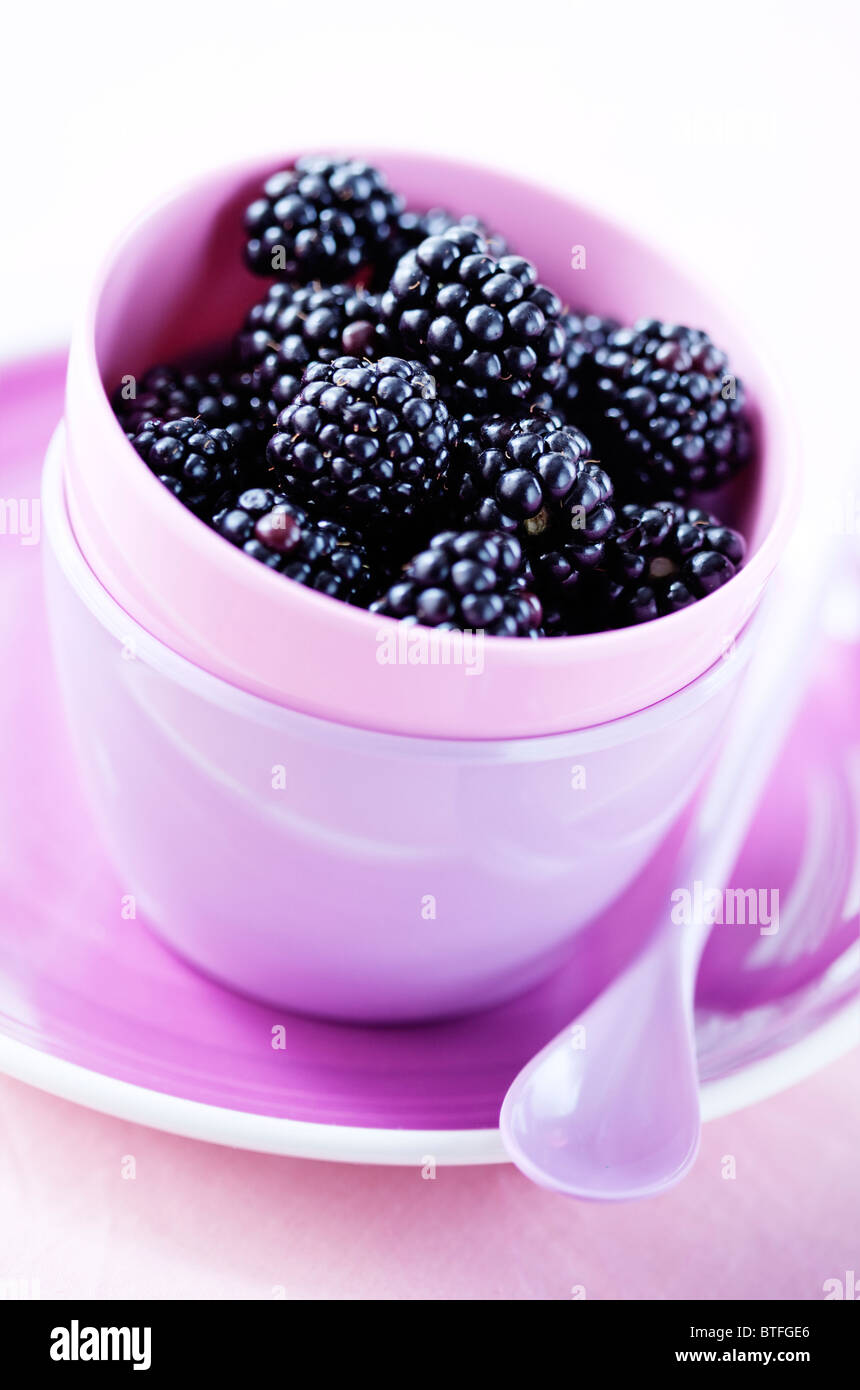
(244, 1129)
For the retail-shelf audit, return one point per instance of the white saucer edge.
(833, 1039)
(241, 1129)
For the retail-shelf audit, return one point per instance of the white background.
(729, 131)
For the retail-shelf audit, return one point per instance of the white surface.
(402, 1147)
(727, 132)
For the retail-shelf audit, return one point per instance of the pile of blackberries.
(410, 421)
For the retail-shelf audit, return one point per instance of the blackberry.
(197, 464)
(218, 398)
(472, 580)
(414, 227)
(323, 555)
(661, 558)
(670, 409)
(368, 441)
(294, 326)
(583, 335)
(533, 476)
(489, 331)
(321, 220)
(563, 561)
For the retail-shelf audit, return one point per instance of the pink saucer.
(94, 1008)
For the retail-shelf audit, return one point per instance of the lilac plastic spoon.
(609, 1110)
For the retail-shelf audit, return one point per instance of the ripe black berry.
(196, 463)
(583, 335)
(530, 476)
(670, 412)
(293, 327)
(322, 220)
(368, 441)
(661, 558)
(489, 331)
(323, 555)
(563, 561)
(219, 399)
(469, 580)
(414, 227)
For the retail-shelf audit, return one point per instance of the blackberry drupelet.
(670, 412)
(197, 464)
(366, 441)
(661, 558)
(294, 326)
(472, 580)
(323, 555)
(218, 398)
(489, 331)
(321, 220)
(533, 476)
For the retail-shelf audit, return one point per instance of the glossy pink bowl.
(232, 617)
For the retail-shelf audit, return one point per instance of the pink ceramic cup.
(233, 617)
(303, 821)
